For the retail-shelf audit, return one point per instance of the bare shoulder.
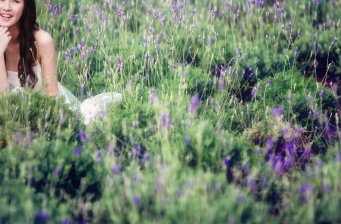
(43, 39)
(45, 44)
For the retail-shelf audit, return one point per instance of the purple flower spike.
(305, 191)
(227, 161)
(116, 169)
(165, 121)
(194, 104)
(78, 151)
(137, 200)
(42, 216)
(277, 111)
(187, 141)
(240, 199)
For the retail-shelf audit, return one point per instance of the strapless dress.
(90, 109)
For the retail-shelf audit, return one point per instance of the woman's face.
(11, 12)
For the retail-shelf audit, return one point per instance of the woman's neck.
(14, 31)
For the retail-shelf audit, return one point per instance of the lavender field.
(230, 114)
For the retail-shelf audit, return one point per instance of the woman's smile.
(5, 17)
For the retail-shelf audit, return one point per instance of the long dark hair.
(28, 50)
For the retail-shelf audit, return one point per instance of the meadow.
(231, 114)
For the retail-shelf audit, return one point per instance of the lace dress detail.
(90, 109)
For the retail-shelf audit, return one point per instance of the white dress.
(90, 109)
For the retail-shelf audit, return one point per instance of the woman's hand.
(5, 38)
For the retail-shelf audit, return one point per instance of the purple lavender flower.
(165, 121)
(194, 104)
(325, 186)
(229, 6)
(56, 170)
(137, 200)
(145, 158)
(42, 216)
(119, 62)
(187, 141)
(314, 37)
(289, 26)
(240, 199)
(83, 137)
(78, 150)
(116, 169)
(120, 13)
(254, 90)
(318, 48)
(227, 161)
(221, 84)
(175, 66)
(277, 111)
(73, 18)
(99, 156)
(305, 192)
(321, 94)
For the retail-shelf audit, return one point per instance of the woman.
(25, 50)
(28, 59)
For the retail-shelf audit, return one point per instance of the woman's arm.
(5, 38)
(48, 60)
(3, 74)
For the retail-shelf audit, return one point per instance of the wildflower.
(116, 169)
(319, 165)
(240, 199)
(137, 200)
(277, 111)
(229, 6)
(73, 18)
(119, 62)
(221, 84)
(268, 82)
(175, 67)
(120, 13)
(99, 156)
(78, 150)
(42, 216)
(321, 94)
(289, 26)
(56, 170)
(194, 104)
(254, 90)
(145, 158)
(165, 121)
(187, 141)
(83, 137)
(325, 186)
(227, 161)
(314, 37)
(305, 191)
(318, 48)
